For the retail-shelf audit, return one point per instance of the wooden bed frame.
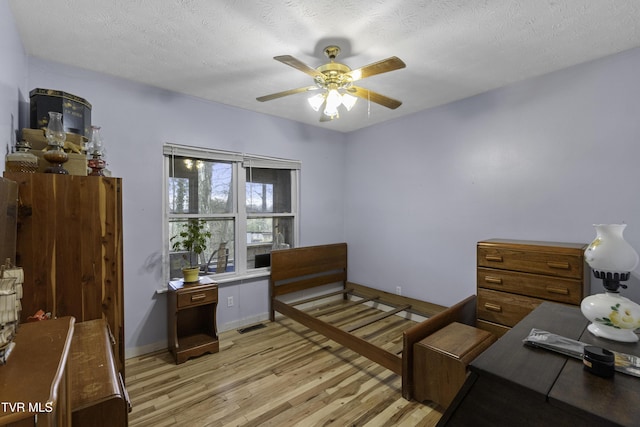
(294, 270)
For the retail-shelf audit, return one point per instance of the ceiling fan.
(336, 82)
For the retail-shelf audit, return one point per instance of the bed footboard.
(461, 312)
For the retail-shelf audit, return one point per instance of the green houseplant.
(192, 237)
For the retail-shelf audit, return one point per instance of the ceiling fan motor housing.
(334, 73)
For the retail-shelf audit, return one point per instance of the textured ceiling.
(223, 50)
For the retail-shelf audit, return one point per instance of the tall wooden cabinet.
(515, 276)
(69, 243)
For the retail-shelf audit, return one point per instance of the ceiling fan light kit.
(336, 82)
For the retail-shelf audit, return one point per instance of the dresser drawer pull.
(493, 307)
(560, 291)
(198, 297)
(491, 279)
(493, 258)
(557, 264)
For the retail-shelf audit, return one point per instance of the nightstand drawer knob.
(493, 307)
(557, 264)
(493, 258)
(560, 291)
(198, 297)
(492, 279)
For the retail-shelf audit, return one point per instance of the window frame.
(240, 162)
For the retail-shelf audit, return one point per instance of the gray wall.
(543, 159)
(13, 78)
(136, 119)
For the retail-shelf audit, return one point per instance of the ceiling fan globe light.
(348, 101)
(316, 101)
(334, 99)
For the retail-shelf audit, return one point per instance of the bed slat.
(319, 297)
(374, 319)
(341, 307)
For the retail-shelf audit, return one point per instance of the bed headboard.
(297, 269)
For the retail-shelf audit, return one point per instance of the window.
(249, 204)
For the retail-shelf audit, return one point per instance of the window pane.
(199, 186)
(265, 234)
(268, 190)
(219, 255)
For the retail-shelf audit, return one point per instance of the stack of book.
(11, 279)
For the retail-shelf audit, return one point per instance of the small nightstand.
(192, 319)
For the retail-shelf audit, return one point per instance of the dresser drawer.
(569, 291)
(197, 297)
(504, 308)
(532, 261)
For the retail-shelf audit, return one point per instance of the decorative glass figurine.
(56, 136)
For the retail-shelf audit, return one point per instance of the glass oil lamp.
(95, 152)
(56, 136)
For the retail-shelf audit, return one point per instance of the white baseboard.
(164, 345)
(237, 324)
(145, 349)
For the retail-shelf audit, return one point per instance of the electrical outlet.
(398, 290)
(229, 301)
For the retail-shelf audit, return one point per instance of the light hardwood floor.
(280, 375)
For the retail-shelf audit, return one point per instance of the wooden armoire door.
(69, 243)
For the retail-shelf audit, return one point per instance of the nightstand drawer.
(531, 261)
(546, 287)
(197, 297)
(504, 308)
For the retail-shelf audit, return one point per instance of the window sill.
(256, 274)
(232, 278)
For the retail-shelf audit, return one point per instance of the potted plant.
(192, 237)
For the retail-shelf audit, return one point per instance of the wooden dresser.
(35, 382)
(98, 395)
(69, 243)
(515, 276)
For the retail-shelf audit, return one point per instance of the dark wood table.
(514, 384)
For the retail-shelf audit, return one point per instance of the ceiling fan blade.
(298, 65)
(286, 93)
(386, 65)
(375, 97)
